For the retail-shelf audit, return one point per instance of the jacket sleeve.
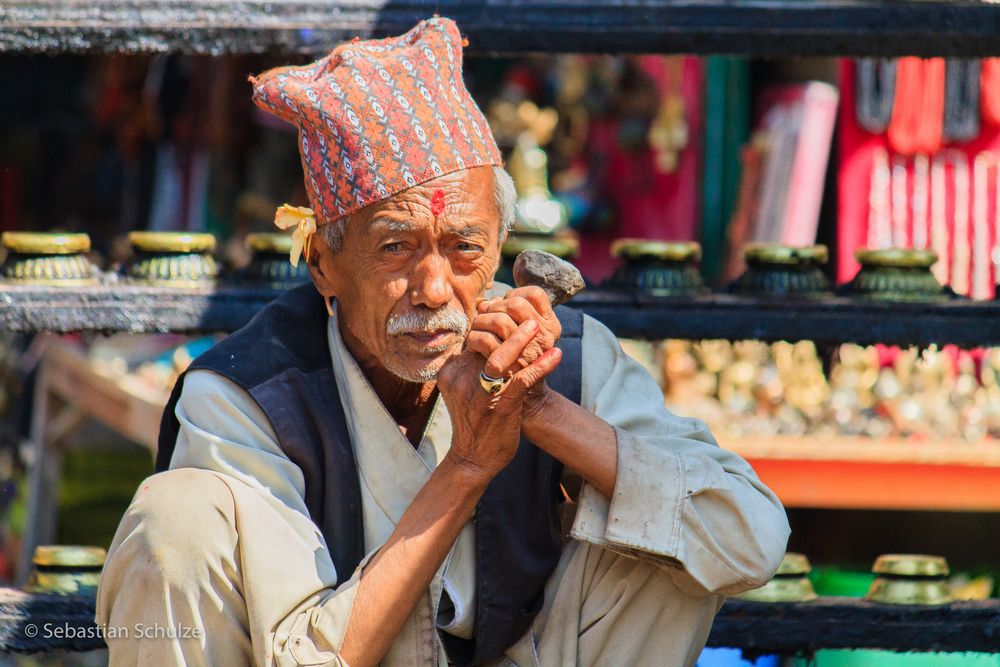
(300, 614)
(680, 500)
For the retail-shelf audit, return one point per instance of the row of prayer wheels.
(657, 268)
(666, 268)
(66, 570)
(899, 579)
(169, 259)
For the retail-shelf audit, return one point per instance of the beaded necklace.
(982, 254)
(939, 225)
(960, 229)
(900, 204)
(879, 207)
(921, 193)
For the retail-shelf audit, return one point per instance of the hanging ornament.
(981, 166)
(875, 88)
(879, 207)
(900, 201)
(921, 197)
(939, 221)
(961, 257)
(668, 133)
(961, 100)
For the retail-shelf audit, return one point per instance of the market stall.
(893, 472)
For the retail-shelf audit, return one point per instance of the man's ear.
(320, 264)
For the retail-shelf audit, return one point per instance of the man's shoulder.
(597, 333)
(571, 320)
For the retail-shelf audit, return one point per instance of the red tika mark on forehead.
(437, 203)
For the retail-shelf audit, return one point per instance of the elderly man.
(341, 481)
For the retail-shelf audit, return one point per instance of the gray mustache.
(420, 321)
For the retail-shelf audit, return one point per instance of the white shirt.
(680, 501)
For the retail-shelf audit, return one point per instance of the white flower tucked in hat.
(304, 221)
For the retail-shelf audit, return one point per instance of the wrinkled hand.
(498, 319)
(486, 429)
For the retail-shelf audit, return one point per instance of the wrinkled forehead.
(385, 225)
(458, 199)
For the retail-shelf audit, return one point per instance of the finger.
(485, 341)
(484, 304)
(504, 356)
(519, 309)
(534, 295)
(536, 371)
(458, 366)
(482, 343)
(499, 324)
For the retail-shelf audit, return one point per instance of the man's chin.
(423, 368)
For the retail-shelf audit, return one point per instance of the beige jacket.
(680, 501)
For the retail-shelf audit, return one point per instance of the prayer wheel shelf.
(137, 309)
(745, 27)
(788, 628)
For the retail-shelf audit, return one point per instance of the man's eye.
(469, 247)
(392, 247)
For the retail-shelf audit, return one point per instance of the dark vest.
(282, 359)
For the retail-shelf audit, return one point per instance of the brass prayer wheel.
(897, 274)
(53, 259)
(563, 246)
(172, 259)
(269, 265)
(910, 579)
(789, 584)
(66, 570)
(780, 271)
(658, 268)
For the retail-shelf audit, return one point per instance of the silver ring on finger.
(491, 385)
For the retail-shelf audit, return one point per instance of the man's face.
(411, 269)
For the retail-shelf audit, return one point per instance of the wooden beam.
(131, 409)
(738, 27)
(757, 628)
(849, 623)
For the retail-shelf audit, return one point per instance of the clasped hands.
(511, 336)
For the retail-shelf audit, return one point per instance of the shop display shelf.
(129, 308)
(827, 321)
(36, 622)
(857, 472)
(801, 628)
(747, 27)
(134, 309)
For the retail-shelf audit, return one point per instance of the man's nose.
(430, 284)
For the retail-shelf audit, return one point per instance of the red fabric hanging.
(648, 203)
(856, 153)
(989, 90)
(918, 108)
